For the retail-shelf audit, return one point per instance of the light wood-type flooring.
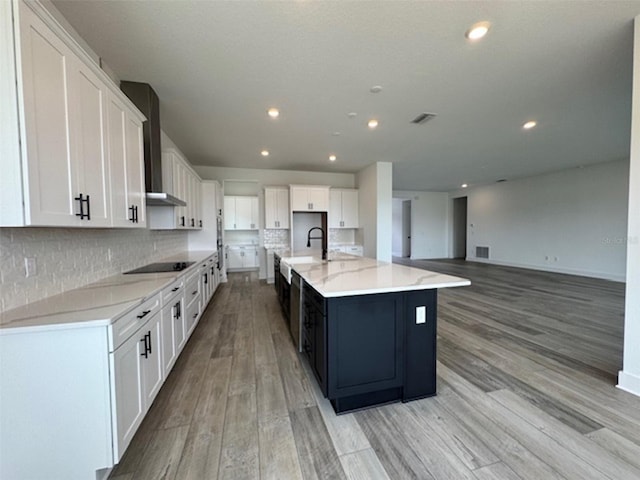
(527, 365)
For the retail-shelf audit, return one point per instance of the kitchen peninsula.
(368, 328)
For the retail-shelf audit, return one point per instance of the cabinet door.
(255, 214)
(179, 188)
(318, 199)
(299, 199)
(48, 166)
(168, 339)
(350, 217)
(243, 213)
(271, 208)
(135, 168)
(179, 329)
(229, 213)
(234, 258)
(152, 362)
(282, 209)
(127, 391)
(250, 259)
(335, 209)
(121, 214)
(88, 104)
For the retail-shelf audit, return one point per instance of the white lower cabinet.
(88, 388)
(241, 257)
(136, 367)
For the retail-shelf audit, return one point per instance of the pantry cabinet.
(309, 198)
(276, 208)
(55, 154)
(343, 210)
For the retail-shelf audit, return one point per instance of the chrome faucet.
(322, 237)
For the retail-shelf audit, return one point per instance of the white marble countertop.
(348, 275)
(99, 303)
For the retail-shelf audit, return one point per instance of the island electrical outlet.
(421, 315)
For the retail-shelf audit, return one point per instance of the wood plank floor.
(527, 365)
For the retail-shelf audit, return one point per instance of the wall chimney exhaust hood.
(143, 96)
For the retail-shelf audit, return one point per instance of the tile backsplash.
(70, 258)
(276, 237)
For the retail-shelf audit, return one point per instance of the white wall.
(375, 187)
(573, 221)
(276, 177)
(396, 227)
(69, 258)
(429, 223)
(629, 377)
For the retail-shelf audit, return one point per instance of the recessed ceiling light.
(352, 114)
(477, 31)
(264, 153)
(273, 112)
(373, 123)
(376, 89)
(332, 158)
(336, 134)
(464, 185)
(529, 125)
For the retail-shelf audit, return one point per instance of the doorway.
(406, 228)
(460, 227)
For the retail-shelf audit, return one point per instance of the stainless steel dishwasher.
(294, 311)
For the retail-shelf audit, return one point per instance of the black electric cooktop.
(161, 267)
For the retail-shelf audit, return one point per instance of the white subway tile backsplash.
(70, 258)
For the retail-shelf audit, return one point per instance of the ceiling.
(217, 67)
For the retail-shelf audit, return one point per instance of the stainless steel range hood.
(143, 96)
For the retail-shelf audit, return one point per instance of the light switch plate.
(421, 315)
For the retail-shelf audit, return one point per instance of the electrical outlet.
(421, 315)
(546, 257)
(555, 259)
(30, 266)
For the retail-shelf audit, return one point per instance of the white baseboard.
(548, 268)
(629, 382)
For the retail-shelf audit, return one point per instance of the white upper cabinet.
(276, 207)
(241, 213)
(179, 180)
(343, 211)
(126, 166)
(309, 198)
(55, 131)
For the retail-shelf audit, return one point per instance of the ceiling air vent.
(423, 118)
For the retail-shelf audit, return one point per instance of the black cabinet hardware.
(132, 209)
(194, 292)
(193, 222)
(145, 353)
(195, 315)
(178, 310)
(150, 351)
(182, 224)
(82, 201)
(200, 223)
(175, 289)
(144, 314)
(206, 278)
(136, 211)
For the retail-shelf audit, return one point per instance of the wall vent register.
(482, 252)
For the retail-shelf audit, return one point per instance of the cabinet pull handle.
(132, 208)
(150, 351)
(194, 292)
(178, 311)
(82, 201)
(200, 223)
(182, 221)
(136, 214)
(195, 315)
(144, 313)
(206, 278)
(175, 289)
(193, 222)
(145, 354)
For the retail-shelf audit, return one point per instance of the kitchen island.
(368, 328)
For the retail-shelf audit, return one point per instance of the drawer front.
(193, 310)
(122, 328)
(172, 291)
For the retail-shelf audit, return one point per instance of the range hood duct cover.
(144, 97)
